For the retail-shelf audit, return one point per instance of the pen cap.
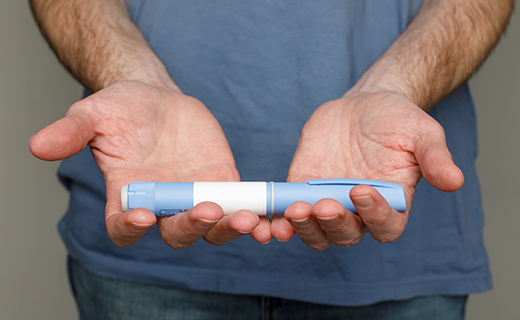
(162, 198)
(138, 195)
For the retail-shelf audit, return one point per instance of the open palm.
(380, 136)
(142, 132)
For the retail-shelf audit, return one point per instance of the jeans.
(100, 298)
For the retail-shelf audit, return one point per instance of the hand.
(152, 132)
(371, 135)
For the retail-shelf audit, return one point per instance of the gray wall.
(496, 91)
(35, 90)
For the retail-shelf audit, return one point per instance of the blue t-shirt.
(262, 68)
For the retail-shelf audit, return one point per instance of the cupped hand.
(370, 135)
(152, 132)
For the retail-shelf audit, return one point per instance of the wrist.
(153, 73)
(383, 76)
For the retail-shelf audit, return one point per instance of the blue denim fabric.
(100, 298)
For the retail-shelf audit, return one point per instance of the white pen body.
(233, 196)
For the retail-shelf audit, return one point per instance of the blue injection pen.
(170, 198)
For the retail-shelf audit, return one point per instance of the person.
(272, 90)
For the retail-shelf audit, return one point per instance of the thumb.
(436, 163)
(303, 167)
(64, 138)
(301, 177)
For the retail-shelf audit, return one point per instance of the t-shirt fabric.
(262, 68)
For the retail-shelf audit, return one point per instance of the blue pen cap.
(162, 198)
(141, 195)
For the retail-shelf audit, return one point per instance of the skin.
(130, 143)
(138, 124)
(379, 130)
(384, 136)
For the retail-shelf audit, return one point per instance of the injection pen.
(170, 198)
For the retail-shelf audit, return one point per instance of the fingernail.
(328, 219)
(301, 221)
(364, 202)
(138, 225)
(206, 223)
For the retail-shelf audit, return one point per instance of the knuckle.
(348, 243)
(388, 238)
(185, 231)
(375, 220)
(120, 243)
(213, 242)
(320, 246)
(175, 244)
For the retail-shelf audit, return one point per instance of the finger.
(342, 227)
(262, 233)
(126, 228)
(232, 227)
(384, 223)
(436, 162)
(298, 169)
(64, 138)
(281, 229)
(183, 230)
(299, 215)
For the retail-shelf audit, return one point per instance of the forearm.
(97, 41)
(440, 49)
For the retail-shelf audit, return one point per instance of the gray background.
(35, 91)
